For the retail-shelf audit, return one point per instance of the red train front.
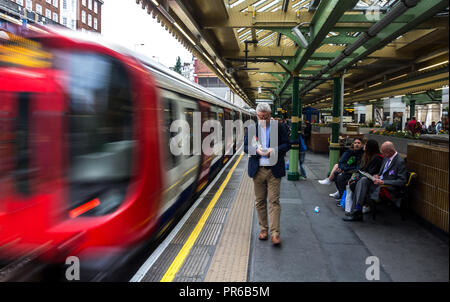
(85, 168)
(79, 133)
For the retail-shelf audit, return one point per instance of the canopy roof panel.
(252, 44)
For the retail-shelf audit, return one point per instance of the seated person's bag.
(356, 176)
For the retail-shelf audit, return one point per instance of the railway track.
(25, 268)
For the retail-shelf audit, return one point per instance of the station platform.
(216, 241)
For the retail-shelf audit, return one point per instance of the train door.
(238, 133)
(216, 162)
(221, 119)
(173, 166)
(32, 109)
(206, 157)
(182, 169)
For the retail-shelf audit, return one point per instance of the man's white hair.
(263, 107)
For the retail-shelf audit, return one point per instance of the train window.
(100, 130)
(189, 115)
(22, 125)
(169, 117)
(222, 123)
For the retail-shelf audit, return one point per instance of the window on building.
(90, 4)
(55, 17)
(20, 2)
(64, 21)
(90, 20)
(203, 81)
(39, 9)
(48, 13)
(95, 24)
(73, 24)
(55, 3)
(29, 5)
(65, 4)
(83, 16)
(48, 1)
(95, 7)
(83, 2)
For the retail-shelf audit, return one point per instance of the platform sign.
(18, 51)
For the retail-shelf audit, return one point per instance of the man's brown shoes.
(263, 235)
(276, 240)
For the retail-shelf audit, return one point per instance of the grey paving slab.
(323, 247)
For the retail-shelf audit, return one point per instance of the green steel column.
(334, 143)
(293, 153)
(412, 108)
(279, 113)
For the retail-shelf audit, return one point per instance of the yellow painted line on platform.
(184, 252)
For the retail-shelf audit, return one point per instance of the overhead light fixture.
(376, 84)
(296, 31)
(155, 2)
(209, 59)
(400, 76)
(185, 34)
(435, 65)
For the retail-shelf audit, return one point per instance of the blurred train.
(85, 165)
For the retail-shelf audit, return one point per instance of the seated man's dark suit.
(394, 178)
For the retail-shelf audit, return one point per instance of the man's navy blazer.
(278, 170)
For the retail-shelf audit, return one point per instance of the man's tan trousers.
(267, 189)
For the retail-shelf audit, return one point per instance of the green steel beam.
(325, 18)
(424, 10)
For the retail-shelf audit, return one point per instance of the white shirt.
(264, 136)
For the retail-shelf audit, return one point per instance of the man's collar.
(392, 157)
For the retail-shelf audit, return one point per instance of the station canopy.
(381, 48)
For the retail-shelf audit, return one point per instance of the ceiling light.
(435, 65)
(185, 34)
(300, 36)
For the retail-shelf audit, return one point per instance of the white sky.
(126, 23)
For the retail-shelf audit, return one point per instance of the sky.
(124, 22)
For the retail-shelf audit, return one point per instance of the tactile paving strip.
(197, 262)
(230, 260)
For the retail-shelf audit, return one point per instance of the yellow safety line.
(184, 252)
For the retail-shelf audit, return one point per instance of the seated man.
(348, 163)
(392, 173)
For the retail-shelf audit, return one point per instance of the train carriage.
(87, 167)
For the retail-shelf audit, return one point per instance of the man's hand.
(338, 170)
(378, 182)
(260, 152)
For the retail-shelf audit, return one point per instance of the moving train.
(85, 165)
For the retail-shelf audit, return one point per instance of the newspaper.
(367, 175)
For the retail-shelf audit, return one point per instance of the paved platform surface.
(323, 247)
(316, 247)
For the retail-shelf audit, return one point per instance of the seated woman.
(371, 163)
(348, 163)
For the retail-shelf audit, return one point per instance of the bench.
(405, 192)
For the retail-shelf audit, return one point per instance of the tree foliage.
(177, 67)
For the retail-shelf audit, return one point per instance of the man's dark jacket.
(394, 177)
(278, 170)
(350, 160)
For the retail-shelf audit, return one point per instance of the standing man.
(307, 132)
(267, 173)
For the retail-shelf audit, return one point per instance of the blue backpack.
(303, 147)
